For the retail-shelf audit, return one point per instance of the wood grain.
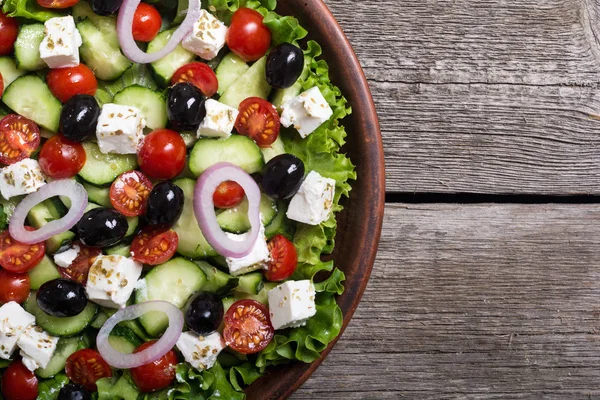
(476, 301)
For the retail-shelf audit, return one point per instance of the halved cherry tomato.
(85, 367)
(258, 120)
(228, 194)
(154, 246)
(162, 155)
(199, 75)
(248, 327)
(57, 3)
(19, 383)
(9, 29)
(146, 23)
(1, 85)
(60, 158)
(129, 193)
(67, 82)
(283, 260)
(248, 37)
(156, 375)
(19, 138)
(19, 257)
(79, 268)
(13, 286)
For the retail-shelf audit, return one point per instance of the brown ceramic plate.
(360, 223)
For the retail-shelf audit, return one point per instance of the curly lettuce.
(29, 9)
(48, 389)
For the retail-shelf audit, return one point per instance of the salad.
(170, 174)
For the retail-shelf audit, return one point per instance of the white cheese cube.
(60, 47)
(200, 351)
(37, 347)
(306, 112)
(312, 203)
(13, 322)
(112, 279)
(66, 258)
(207, 38)
(20, 178)
(256, 259)
(120, 129)
(291, 304)
(219, 120)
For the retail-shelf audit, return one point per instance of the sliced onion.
(160, 348)
(63, 187)
(204, 209)
(130, 47)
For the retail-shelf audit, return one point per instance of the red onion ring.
(123, 361)
(63, 187)
(204, 208)
(130, 47)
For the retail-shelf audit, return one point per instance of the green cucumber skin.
(229, 70)
(27, 47)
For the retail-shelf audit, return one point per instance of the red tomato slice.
(19, 138)
(19, 383)
(154, 246)
(199, 75)
(228, 194)
(60, 158)
(248, 37)
(156, 375)
(80, 267)
(19, 257)
(13, 286)
(57, 3)
(9, 29)
(129, 193)
(146, 23)
(258, 120)
(248, 327)
(283, 260)
(85, 367)
(65, 83)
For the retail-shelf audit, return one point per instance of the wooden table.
(487, 283)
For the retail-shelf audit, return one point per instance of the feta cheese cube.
(200, 351)
(66, 258)
(291, 304)
(256, 259)
(312, 203)
(120, 129)
(60, 46)
(37, 347)
(207, 38)
(13, 322)
(306, 112)
(112, 279)
(20, 178)
(219, 120)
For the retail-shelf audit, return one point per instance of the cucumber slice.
(98, 195)
(27, 47)
(281, 223)
(124, 340)
(64, 348)
(101, 317)
(277, 148)
(252, 84)
(217, 281)
(166, 66)
(174, 281)
(29, 96)
(251, 283)
(235, 219)
(68, 326)
(43, 213)
(153, 105)
(229, 70)
(9, 70)
(99, 52)
(261, 296)
(119, 250)
(105, 24)
(137, 74)
(236, 149)
(192, 242)
(44, 272)
(102, 169)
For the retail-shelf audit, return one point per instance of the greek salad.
(170, 174)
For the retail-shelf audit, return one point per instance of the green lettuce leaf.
(284, 29)
(332, 284)
(247, 372)
(29, 9)
(117, 388)
(48, 389)
(3, 221)
(224, 9)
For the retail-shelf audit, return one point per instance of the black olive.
(282, 176)
(79, 117)
(102, 227)
(73, 391)
(284, 66)
(61, 298)
(185, 106)
(204, 313)
(165, 204)
(106, 7)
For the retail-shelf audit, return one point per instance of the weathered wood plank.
(476, 301)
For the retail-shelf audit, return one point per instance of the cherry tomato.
(156, 375)
(258, 120)
(85, 367)
(19, 138)
(67, 82)
(57, 3)
(1, 85)
(248, 327)
(13, 286)
(60, 158)
(79, 268)
(129, 193)
(248, 37)
(199, 75)
(146, 23)
(283, 260)
(9, 29)
(228, 194)
(19, 383)
(154, 246)
(19, 257)
(162, 155)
